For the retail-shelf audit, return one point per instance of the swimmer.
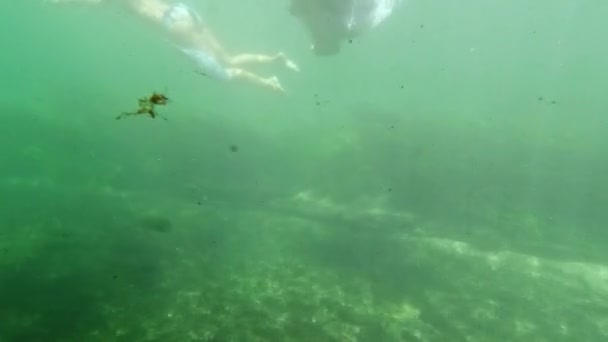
(331, 22)
(195, 39)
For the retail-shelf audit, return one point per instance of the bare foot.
(274, 83)
(289, 64)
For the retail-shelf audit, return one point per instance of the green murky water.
(444, 178)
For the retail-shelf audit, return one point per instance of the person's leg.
(209, 65)
(204, 38)
(271, 83)
(153, 10)
(208, 41)
(253, 58)
(156, 9)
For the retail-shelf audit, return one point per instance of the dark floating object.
(234, 148)
(553, 102)
(318, 101)
(156, 224)
(540, 98)
(147, 106)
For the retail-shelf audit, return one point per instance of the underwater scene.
(303, 170)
